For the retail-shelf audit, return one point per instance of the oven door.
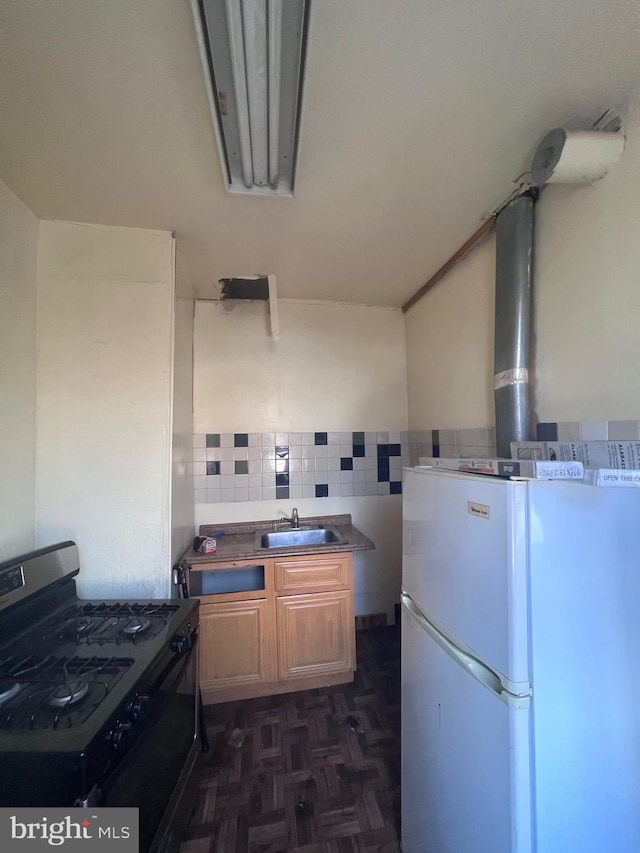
(158, 773)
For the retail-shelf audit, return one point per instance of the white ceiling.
(418, 114)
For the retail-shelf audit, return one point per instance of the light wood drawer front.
(322, 573)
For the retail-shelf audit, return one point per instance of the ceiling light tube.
(236, 45)
(274, 24)
(254, 18)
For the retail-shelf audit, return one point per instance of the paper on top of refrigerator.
(593, 454)
(532, 469)
(622, 477)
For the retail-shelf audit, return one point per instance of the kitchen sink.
(296, 537)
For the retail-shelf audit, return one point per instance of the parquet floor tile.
(317, 772)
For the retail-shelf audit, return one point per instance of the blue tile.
(547, 432)
(395, 487)
(282, 480)
(282, 492)
(213, 439)
(322, 490)
(320, 438)
(241, 467)
(395, 450)
(282, 451)
(436, 451)
(358, 450)
(383, 470)
(213, 467)
(346, 463)
(435, 437)
(357, 437)
(383, 451)
(241, 439)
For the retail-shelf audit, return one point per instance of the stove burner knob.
(119, 734)
(181, 643)
(138, 706)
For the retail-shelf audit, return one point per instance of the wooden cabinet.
(294, 630)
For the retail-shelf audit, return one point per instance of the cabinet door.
(235, 643)
(316, 634)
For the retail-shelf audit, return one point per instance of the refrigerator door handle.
(478, 670)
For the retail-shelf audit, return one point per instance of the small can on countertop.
(204, 544)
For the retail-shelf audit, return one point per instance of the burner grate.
(98, 624)
(54, 692)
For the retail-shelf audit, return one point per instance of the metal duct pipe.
(514, 252)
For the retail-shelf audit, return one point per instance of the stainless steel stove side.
(29, 574)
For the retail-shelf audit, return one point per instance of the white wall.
(335, 367)
(182, 506)
(104, 320)
(18, 258)
(588, 298)
(450, 347)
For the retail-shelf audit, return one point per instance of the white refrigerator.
(520, 665)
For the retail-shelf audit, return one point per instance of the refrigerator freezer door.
(465, 757)
(465, 561)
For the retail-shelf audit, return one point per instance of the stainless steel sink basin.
(297, 537)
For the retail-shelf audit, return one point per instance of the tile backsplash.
(240, 466)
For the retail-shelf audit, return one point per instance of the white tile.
(269, 452)
(295, 478)
(268, 493)
(321, 464)
(255, 481)
(199, 483)
(242, 481)
(295, 439)
(308, 464)
(346, 476)
(255, 439)
(383, 488)
(334, 490)
(333, 463)
(308, 477)
(226, 467)
(268, 439)
(334, 451)
(333, 438)
(255, 466)
(228, 495)
(200, 496)
(214, 496)
(359, 463)
(268, 480)
(295, 451)
(255, 452)
(320, 451)
(199, 439)
(268, 466)
(308, 438)
(346, 450)
(241, 453)
(594, 430)
(371, 451)
(282, 438)
(295, 491)
(241, 495)
(226, 453)
(623, 430)
(359, 477)
(382, 438)
(255, 494)
(371, 475)
(346, 490)
(371, 438)
(394, 437)
(360, 489)
(333, 477)
(308, 491)
(227, 481)
(372, 488)
(199, 469)
(226, 439)
(213, 454)
(296, 464)
(199, 454)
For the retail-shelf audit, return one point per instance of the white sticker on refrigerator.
(479, 510)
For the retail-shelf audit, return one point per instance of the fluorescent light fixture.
(253, 54)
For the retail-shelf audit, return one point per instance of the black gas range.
(98, 700)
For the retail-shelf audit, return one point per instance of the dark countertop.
(237, 542)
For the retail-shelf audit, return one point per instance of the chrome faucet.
(294, 521)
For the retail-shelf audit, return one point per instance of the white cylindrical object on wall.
(576, 156)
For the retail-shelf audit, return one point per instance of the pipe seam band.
(515, 376)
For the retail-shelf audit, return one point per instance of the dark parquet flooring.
(317, 772)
